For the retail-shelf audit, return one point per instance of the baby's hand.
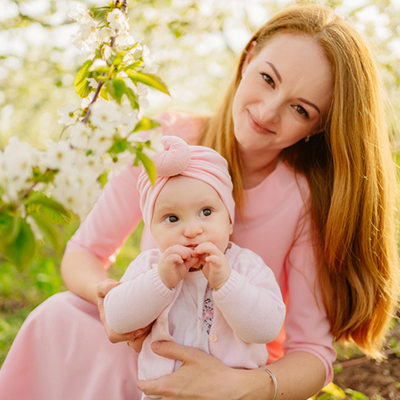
(175, 263)
(215, 266)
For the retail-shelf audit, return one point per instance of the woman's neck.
(257, 166)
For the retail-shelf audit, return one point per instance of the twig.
(96, 95)
(362, 360)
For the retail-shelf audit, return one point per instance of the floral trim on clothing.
(208, 309)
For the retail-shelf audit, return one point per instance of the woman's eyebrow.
(310, 104)
(278, 75)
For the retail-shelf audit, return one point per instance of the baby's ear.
(230, 228)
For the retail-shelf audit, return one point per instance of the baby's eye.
(171, 219)
(300, 110)
(206, 212)
(267, 78)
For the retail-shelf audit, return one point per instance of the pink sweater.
(275, 226)
(248, 311)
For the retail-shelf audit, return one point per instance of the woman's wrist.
(256, 384)
(273, 379)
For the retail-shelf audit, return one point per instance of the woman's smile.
(258, 126)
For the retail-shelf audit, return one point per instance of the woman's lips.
(257, 126)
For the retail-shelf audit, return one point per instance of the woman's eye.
(206, 212)
(268, 79)
(171, 219)
(300, 110)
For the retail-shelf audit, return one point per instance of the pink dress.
(62, 351)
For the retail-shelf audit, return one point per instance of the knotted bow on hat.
(198, 162)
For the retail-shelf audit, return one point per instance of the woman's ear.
(249, 56)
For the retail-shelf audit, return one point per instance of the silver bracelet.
(273, 380)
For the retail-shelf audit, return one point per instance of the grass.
(21, 292)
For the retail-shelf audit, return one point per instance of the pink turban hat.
(198, 162)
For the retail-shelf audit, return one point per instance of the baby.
(200, 289)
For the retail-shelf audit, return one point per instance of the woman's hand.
(202, 376)
(134, 339)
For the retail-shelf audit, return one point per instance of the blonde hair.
(351, 175)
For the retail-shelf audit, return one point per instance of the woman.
(302, 129)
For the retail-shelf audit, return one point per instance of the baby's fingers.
(207, 248)
(214, 260)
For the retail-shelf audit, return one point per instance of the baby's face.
(189, 212)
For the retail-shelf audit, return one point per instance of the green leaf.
(103, 93)
(21, 250)
(119, 146)
(46, 177)
(119, 58)
(116, 88)
(51, 209)
(132, 97)
(356, 395)
(10, 227)
(148, 165)
(148, 79)
(49, 231)
(80, 83)
(146, 124)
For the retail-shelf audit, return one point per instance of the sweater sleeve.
(112, 219)
(306, 322)
(251, 301)
(140, 298)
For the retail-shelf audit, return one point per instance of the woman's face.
(284, 94)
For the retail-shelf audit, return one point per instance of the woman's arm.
(82, 272)
(300, 375)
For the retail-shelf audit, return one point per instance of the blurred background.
(195, 43)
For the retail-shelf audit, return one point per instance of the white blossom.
(124, 40)
(117, 20)
(149, 66)
(128, 123)
(105, 115)
(68, 115)
(60, 155)
(101, 141)
(80, 14)
(98, 62)
(142, 92)
(79, 135)
(105, 34)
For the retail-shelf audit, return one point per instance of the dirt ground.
(377, 380)
(373, 379)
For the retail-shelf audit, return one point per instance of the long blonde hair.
(351, 175)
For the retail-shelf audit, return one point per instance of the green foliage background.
(195, 42)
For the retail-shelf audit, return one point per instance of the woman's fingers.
(188, 382)
(137, 338)
(176, 351)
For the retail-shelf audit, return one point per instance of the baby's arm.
(251, 301)
(139, 299)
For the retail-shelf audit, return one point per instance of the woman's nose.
(270, 110)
